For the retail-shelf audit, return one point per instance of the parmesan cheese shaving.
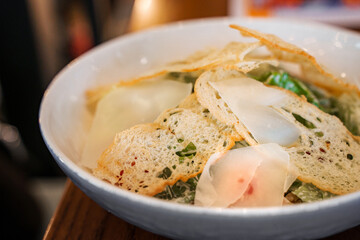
(251, 102)
(127, 106)
(226, 178)
(244, 177)
(267, 186)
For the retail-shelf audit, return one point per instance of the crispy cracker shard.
(233, 56)
(313, 72)
(146, 158)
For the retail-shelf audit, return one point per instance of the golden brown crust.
(274, 42)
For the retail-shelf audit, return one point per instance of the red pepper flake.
(141, 182)
(146, 171)
(308, 153)
(250, 190)
(135, 158)
(321, 159)
(121, 172)
(322, 150)
(133, 163)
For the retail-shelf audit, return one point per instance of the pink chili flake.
(250, 190)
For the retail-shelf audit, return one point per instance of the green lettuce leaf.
(180, 192)
(284, 80)
(307, 192)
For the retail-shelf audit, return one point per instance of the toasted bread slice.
(147, 157)
(191, 102)
(327, 154)
(134, 160)
(189, 126)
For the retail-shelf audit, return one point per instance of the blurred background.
(39, 37)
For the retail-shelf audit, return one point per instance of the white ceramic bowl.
(64, 124)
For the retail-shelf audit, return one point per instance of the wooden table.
(77, 216)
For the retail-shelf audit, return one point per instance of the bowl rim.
(74, 169)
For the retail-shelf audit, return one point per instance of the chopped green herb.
(165, 174)
(303, 121)
(180, 140)
(319, 134)
(188, 152)
(240, 144)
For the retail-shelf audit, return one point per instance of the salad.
(253, 124)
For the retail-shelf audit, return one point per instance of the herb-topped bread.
(193, 104)
(148, 157)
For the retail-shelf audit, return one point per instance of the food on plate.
(253, 124)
